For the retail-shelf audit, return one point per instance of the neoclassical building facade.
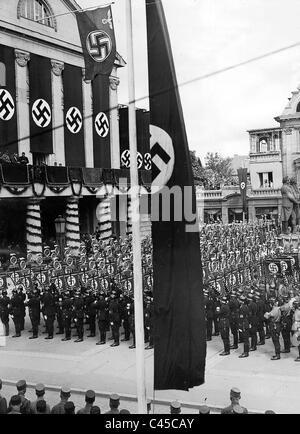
(49, 112)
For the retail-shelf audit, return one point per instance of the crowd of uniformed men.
(251, 316)
(248, 311)
(72, 309)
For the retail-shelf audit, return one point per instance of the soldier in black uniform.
(79, 315)
(261, 309)
(209, 313)
(244, 325)
(149, 321)
(132, 324)
(49, 311)
(125, 314)
(16, 304)
(286, 324)
(91, 312)
(114, 319)
(67, 309)
(102, 316)
(234, 319)
(253, 321)
(34, 308)
(216, 317)
(23, 299)
(224, 326)
(4, 310)
(59, 311)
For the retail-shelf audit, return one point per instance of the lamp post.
(60, 228)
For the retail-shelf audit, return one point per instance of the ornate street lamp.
(60, 229)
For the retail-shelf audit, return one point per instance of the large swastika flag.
(179, 319)
(98, 41)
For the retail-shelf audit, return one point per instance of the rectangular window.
(266, 179)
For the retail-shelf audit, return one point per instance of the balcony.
(270, 192)
(260, 157)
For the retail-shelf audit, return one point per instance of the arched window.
(263, 145)
(2, 75)
(37, 10)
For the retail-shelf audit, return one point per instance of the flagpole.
(136, 235)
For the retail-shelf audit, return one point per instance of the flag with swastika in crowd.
(98, 41)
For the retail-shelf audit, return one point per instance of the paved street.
(264, 384)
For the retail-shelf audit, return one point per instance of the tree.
(197, 168)
(217, 171)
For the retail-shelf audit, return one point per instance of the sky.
(210, 35)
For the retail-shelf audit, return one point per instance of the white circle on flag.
(99, 45)
(102, 124)
(163, 157)
(41, 113)
(74, 120)
(243, 185)
(7, 105)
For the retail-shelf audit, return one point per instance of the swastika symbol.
(125, 158)
(7, 105)
(71, 281)
(284, 266)
(243, 185)
(273, 268)
(99, 45)
(140, 160)
(41, 113)
(163, 157)
(102, 124)
(147, 161)
(74, 120)
(1, 282)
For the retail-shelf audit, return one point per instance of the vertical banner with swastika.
(8, 113)
(179, 315)
(101, 117)
(40, 98)
(242, 174)
(97, 34)
(73, 114)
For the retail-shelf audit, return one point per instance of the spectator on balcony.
(42, 407)
(69, 407)
(23, 159)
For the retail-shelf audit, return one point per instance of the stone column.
(57, 114)
(104, 217)
(72, 225)
(88, 121)
(22, 87)
(34, 227)
(224, 214)
(114, 122)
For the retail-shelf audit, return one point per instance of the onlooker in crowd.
(204, 409)
(42, 407)
(25, 403)
(235, 396)
(65, 394)
(90, 397)
(69, 407)
(114, 403)
(175, 407)
(3, 402)
(40, 393)
(15, 405)
(23, 159)
(95, 410)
